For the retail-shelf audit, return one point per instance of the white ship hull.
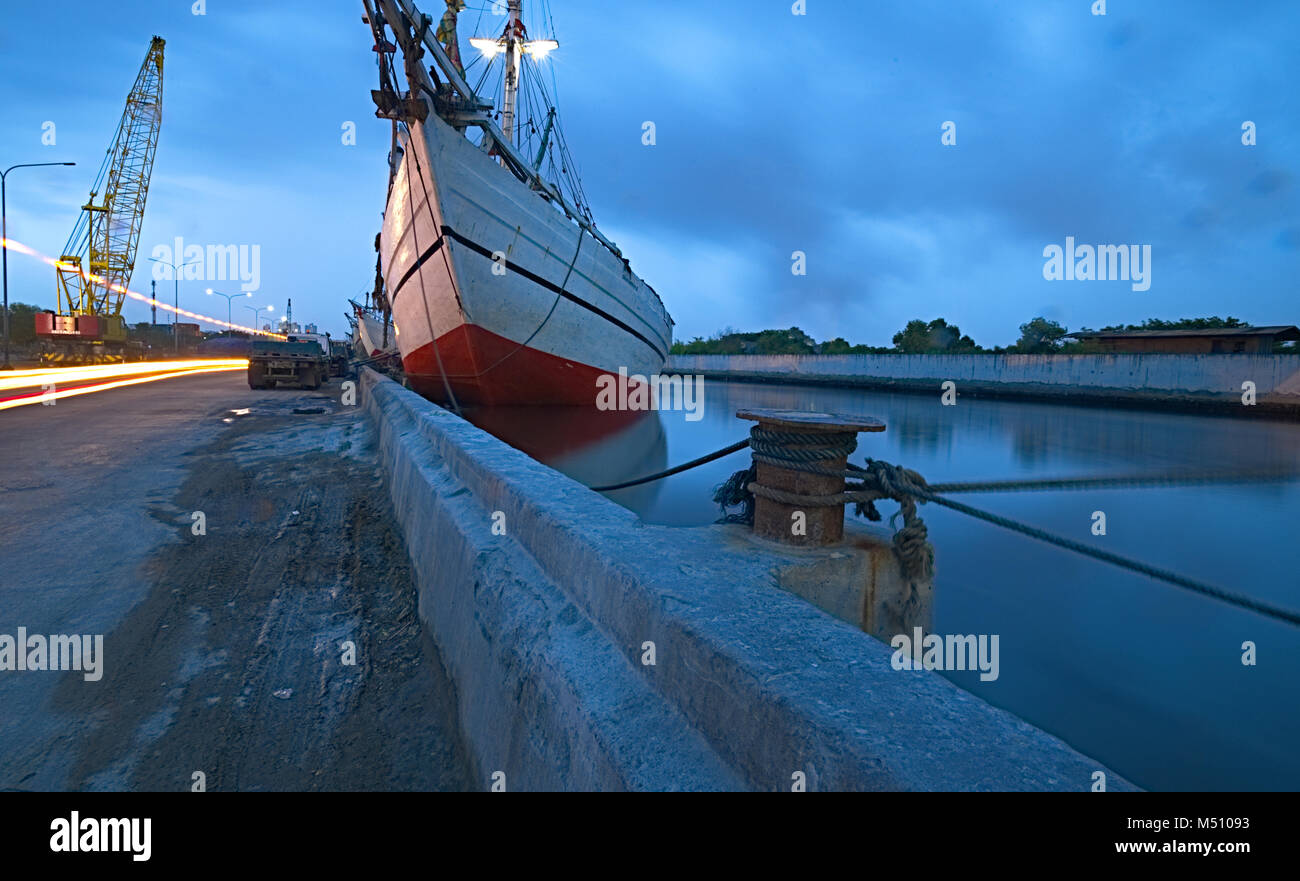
(493, 299)
(369, 340)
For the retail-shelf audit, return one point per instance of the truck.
(292, 360)
(339, 356)
(322, 340)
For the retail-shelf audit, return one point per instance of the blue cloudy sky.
(775, 133)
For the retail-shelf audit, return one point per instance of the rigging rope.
(558, 295)
(413, 153)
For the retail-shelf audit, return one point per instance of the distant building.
(1209, 341)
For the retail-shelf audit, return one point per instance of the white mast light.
(539, 48)
(515, 44)
(490, 48)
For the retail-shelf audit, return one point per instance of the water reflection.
(594, 447)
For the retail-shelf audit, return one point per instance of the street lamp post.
(176, 295)
(4, 245)
(229, 298)
(257, 312)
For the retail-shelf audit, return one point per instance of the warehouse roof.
(1277, 331)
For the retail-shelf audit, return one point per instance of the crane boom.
(97, 262)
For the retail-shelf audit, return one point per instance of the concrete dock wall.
(544, 631)
(1180, 380)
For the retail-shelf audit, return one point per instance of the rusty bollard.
(823, 440)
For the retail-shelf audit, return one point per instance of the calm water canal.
(1144, 676)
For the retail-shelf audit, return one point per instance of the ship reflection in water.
(594, 447)
(1144, 676)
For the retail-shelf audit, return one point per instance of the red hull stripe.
(521, 375)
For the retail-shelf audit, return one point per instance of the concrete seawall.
(545, 630)
(1189, 381)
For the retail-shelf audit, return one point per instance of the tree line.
(22, 322)
(1038, 336)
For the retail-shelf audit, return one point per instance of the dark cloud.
(775, 133)
(1266, 183)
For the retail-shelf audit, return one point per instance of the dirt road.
(275, 648)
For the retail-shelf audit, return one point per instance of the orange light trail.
(12, 245)
(43, 396)
(13, 379)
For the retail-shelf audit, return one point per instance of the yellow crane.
(97, 262)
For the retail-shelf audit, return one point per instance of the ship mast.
(514, 45)
(411, 29)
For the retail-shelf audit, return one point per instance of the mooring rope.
(703, 460)
(735, 492)
(384, 357)
(882, 480)
(787, 446)
(1166, 575)
(1187, 478)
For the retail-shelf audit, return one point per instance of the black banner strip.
(415, 267)
(554, 288)
(448, 232)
